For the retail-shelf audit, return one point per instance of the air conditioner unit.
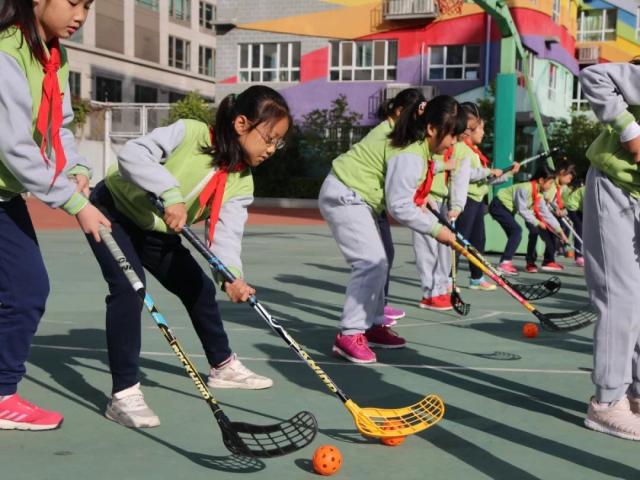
(392, 89)
(588, 54)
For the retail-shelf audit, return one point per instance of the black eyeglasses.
(278, 144)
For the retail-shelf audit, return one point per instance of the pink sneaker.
(531, 268)
(580, 261)
(18, 414)
(354, 348)
(507, 268)
(551, 267)
(384, 337)
(389, 322)
(394, 313)
(440, 303)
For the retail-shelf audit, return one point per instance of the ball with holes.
(326, 460)
(530, 330)
(392, 441)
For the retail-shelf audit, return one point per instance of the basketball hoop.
(450, 7)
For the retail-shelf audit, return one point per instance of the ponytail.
(402, 100)
(259, 104)
(442, 113)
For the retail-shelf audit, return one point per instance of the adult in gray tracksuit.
(611, 246)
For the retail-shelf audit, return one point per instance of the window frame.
(365, 51)
(201, 66)
(202, 22)
(463, 66)
(186, 48)
(602, 32)
(256, 72)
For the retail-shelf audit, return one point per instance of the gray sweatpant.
(611, 231)
(355, 229)
(433, 260)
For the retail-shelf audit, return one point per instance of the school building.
(314, 50)
(149, 51)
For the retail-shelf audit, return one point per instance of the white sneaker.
(128, 408)
(616, 419)
(235, 375)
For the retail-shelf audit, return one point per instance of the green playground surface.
(515, 406)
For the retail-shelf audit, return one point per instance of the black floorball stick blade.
(270, 440)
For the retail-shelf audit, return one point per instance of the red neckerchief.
(49, 119)
(536, 208)
(212, 195)
(559, 202)
(423, 190)
(483, 159)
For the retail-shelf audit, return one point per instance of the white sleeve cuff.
(630, 132)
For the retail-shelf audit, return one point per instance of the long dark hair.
(20, 12)
(471, 110)
(405, 98)
(544, 171)
(259, 104)
(441, 112)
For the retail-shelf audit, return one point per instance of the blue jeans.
(164, 256)
(24, 288)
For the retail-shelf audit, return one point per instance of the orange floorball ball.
(530, 330)
(326, 460)
(392, 441)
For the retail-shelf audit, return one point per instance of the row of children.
(204, 173)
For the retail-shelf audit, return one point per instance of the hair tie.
(421, 107)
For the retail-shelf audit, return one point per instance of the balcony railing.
(409, 9)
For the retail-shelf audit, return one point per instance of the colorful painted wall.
(315, 23)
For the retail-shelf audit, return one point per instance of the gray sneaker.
(616, 419)
(235, 375)
(128, 408)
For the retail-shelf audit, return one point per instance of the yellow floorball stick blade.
(395, 422)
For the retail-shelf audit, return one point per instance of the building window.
(597, 25)
(150, 4)
(207, 16)
(269, 62)
(454, 62)
(531, 63)
(205, 61)
(555, 11)
(553, 81)
(108, 89)
(180, 10)
(74, 84)
(364, 61)
(146, 94)
(179, 53)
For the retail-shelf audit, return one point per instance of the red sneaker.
(440, 303)
(531, 268)
(507, 268)
(552, 267)
(18, 414)
(354, 348)
(384, 337)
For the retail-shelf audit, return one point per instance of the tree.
(299, 170)
(574, 138)
(192, 107)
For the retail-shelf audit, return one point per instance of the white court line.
(341, 363)
(428, 323)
